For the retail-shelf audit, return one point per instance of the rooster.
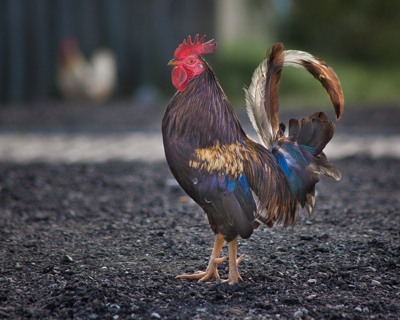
(80, 79)
(239, 183)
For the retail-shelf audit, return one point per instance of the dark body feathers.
(198, 128)
(238, 182)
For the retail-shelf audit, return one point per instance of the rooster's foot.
(210, 273)
(212, 270)
(234, 275)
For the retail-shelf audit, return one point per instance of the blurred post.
(16, 49)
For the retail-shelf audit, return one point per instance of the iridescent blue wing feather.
(230, 196)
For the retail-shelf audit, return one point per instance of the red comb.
(196, 47)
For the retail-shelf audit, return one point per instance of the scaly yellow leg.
(234, 275)
(211, 271)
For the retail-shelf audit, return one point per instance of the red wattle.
(179, 78)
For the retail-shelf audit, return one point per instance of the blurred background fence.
(143, 35)
(359, 38)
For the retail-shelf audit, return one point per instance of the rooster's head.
(68, 49)
(187, 61)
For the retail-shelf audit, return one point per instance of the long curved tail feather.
(262, 95)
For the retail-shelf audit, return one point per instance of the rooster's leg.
(234, 275)
(211, 271)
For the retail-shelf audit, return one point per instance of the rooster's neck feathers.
(202, 112)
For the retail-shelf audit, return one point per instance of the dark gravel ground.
(105, 241)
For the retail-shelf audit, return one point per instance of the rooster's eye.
(190, 61)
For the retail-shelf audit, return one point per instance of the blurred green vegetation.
(358, 39)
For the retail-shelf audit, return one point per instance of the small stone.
(365, 310)
(116, 317)
(67, 258)
(375, 283)
(357, 309)
(18, 266)
(322, 275)
(93, 316)
(310, 297)
(371, 269)
(298, 314)
(103, 268)
(155, 315)
(325, 236)
(339, 307)
(235, 311)
(312, 282)
(7, 309)
(305, 311)
(113, 305)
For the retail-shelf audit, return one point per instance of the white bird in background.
(81, 79)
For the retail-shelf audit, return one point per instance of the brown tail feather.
(315, 132)
(275, 63)
(327, 168)
(322, 72)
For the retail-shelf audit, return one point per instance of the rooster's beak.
(173, 62)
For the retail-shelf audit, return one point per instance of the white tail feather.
(295, 58)
(255, 98)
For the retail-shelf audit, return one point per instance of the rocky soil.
(105, 241)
